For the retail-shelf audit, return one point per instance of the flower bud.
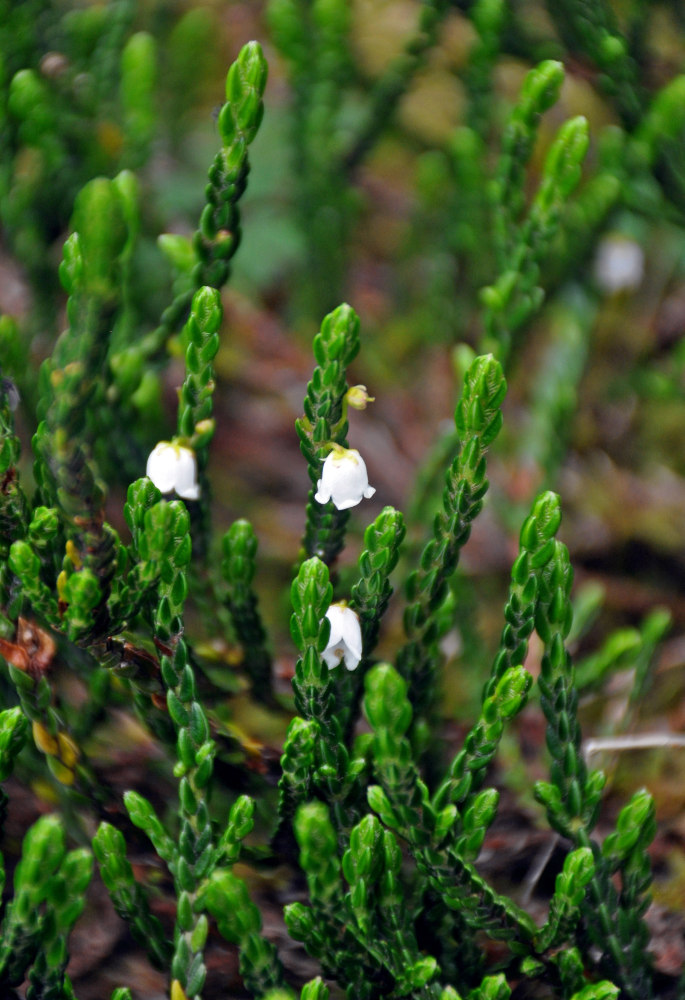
(357, 397)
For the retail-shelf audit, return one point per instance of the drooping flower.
(345, 640)
(344, 479)
(619, 264)
(171, 467)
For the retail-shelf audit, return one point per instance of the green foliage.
(13, 506)
(390, 87)
(297, 765)
(325, 423)
(49, 895)
(227, 898)
(137, 89)
(77, 100)
(127, 895)
(218, 234)
(239, 546)
(13, 732)
(592, 29)
(195, 421)
(372, 592)
(379, 826)
(478, 419)
(523, 233)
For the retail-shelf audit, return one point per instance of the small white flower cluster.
(345, 639)
(172, 467)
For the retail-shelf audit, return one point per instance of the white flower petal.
(346, 503)
(174, 467)
(351, 659)
(332, 657)
(161, 467)
(321, 495)
(345, 640)
(336, 621)
(344, 479)
(353, 653)
(619, 264)
(189, 492)
(186, 475)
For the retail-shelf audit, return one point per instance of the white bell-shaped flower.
(345, 640)
(344, 479)
(171, 467)
(619, 264)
